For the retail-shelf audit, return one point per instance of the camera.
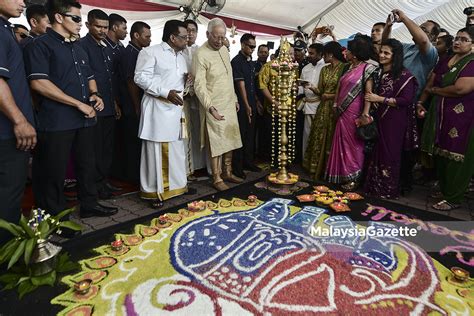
(468, 10)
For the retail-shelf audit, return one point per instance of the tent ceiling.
(282, 14)
(348, 16)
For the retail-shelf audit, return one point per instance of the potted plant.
(33, 258)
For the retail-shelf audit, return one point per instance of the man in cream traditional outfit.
(214, 86)
(161, 72)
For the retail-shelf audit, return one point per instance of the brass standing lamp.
(284, 90)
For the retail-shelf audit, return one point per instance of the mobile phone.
(393, 18)
(302, 82)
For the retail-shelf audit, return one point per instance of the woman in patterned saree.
(395, 94)
(346, 158)
(322, 129)
(454, 142)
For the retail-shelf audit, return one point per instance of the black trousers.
(245, 155)
(299, 136)
(104, 148)
(13, 173)
(127, 149)
(49, 168)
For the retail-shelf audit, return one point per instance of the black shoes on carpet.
(98, 210)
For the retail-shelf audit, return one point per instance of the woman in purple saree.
(347, 151)
(454, 140)
(395, 94)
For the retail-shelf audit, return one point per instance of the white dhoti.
(308, 121)
(162, 170)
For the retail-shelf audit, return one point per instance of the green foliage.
(29, 233)
(21, 277)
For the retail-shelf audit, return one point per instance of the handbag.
(368, 132)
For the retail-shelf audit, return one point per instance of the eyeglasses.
(183, 37)
(218, 38)
(74, 18)
(462, 39)
(250, 46)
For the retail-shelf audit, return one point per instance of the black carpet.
(38, 302)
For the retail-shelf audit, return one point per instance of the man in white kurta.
(214, 86)
(310, 79)
(161, 72)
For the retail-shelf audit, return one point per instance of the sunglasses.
(74, 18)
(250, 46)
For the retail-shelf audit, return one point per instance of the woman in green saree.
(322, 129)
(454, 138)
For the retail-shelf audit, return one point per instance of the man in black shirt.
(243, 70)
(58, 70)
(130, 99)
(38, 20)
(101, 63)
(262, 145)
(17, 134)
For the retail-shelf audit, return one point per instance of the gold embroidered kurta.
(214, 86)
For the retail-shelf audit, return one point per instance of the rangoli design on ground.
(249, 260)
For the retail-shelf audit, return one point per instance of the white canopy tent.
(347, 16)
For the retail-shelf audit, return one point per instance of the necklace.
(355, 65)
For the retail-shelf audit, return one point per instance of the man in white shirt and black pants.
(309, 84)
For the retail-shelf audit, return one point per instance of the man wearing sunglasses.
(17, 134)
(243, 69)
(59, 71)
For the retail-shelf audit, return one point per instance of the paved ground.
(131, 207)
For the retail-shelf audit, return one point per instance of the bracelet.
(385, 100)
(365, 115)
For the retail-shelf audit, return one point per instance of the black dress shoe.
(252, 168)
(97, 210)
(112, 187)
(107, 207)
(105, 195)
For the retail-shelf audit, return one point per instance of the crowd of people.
(90, 108)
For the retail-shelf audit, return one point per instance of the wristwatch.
(96, 93)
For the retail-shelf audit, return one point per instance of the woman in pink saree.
(347, 152)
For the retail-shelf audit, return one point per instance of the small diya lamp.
(83, 286)
(117, 245)
(163, 219)
(196, 206)
(460, 274)
(252, 198)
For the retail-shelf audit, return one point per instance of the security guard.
(101, 63)
(58, 70)
(17, 134)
